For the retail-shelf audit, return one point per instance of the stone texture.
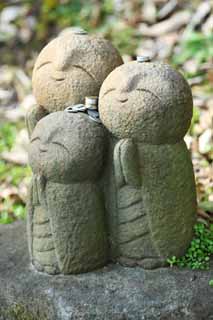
(153, 101)
(111, 293)
(66, 223)
(152, 198)
(33, 115)
(71, 67)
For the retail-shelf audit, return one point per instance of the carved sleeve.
(126, 164)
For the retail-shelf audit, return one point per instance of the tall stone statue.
(151, 197)
(66, 228)
(66, 213)
(69, 68)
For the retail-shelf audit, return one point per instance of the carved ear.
(35, 114)
(126, 164)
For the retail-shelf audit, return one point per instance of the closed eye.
(34, 139)
(109, 90)
(43, 64)
(150, 92)
(89, 74)
(61, 145)
(59, 75)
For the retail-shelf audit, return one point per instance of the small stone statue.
(147, 107)
(70, 67)
(66, 211)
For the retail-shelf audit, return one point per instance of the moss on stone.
(20, 312)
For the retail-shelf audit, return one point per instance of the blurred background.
(175, 31)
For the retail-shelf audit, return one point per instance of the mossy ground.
(19, 312)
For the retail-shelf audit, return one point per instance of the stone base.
(112, 293)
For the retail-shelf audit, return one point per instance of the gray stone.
(66, 223)
(150, 187)
(154, 103)
(111, 293)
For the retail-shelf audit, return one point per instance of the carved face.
(71, 67)
(149, 102)
(67, 147)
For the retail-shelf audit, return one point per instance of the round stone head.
(67, 147)
(71, 67)
(145, 101)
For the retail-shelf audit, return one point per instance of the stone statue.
(70, 67)
(133, 186)
(151, 197)
(66, 211)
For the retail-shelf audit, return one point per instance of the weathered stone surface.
(111, 293)
(149, 102)
(33, 115)
(152, 202)
(71, 67)
(66, 223)
(67, 147)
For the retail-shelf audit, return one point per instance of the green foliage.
(95, 17)
(172, 261)
(124, 39)
(211, 283)
(199, 252)
(11, 211)
(88, 15)
(7, 136)
(195, 119)
(197, 46)
(12, 207)
(5, 218)
(11, 176)
(21, 312)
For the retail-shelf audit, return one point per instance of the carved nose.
(60, 63)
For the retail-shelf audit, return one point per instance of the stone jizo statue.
(67, 231)
(69, 68)
(147, 108)
(113, 183)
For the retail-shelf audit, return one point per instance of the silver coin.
(98, 120)
(93, 113)
(76, 108)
